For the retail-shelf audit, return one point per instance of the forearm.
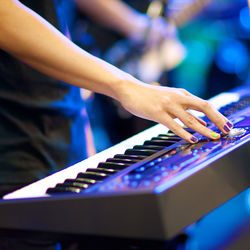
(114, 14)
(30, 38)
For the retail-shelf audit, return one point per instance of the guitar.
(149, 64)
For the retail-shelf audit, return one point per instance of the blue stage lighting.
(232, 56)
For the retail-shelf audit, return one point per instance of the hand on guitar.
(151, 31)
(164, 104)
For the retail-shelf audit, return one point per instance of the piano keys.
(170, 185)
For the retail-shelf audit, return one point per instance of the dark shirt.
(41, 119)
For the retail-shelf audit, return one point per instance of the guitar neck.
(189, 11)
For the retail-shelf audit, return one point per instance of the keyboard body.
(155, 198)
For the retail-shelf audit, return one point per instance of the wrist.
(125, 87)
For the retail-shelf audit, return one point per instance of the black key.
(153, 147)
(165, 137)
(132, 157)
(146, 152)
(73, 184)
(82, 180)
(112, 165)
(102, 170)
(159, 142)
(92, 175)
(165, 140)
(57, 190)
(170, 133)
(126, 161)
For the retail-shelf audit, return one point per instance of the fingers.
(178, 129)
(199, 120)
(190, 121)
(215, 116)
(188, 101)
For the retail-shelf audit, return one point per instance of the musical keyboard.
(170, 185)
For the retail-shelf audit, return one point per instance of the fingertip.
(226, 129)
(229, 124)
(193, 139)
(215, 135)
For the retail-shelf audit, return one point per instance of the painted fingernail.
(215, 135)
(194, 139)
(226, 128)
(229, 124)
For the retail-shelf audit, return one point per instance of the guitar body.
(157, 60)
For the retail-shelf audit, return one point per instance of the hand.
(163, 104)
(159, 30)
(151, 32)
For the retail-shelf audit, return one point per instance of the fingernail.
(229, 124)
(226, 128)
(194, 139)
(215, 135)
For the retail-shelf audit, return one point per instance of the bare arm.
(117, 15)
(114, 14)
(30, 38)
(27, 36)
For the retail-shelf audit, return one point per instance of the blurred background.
(209, 54)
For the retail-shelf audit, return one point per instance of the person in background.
(42, 114)
(123, 43)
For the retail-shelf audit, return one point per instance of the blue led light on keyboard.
(156, 178)
(172, 167)
(140, 169)
(164, 174)
(146, 183)
(134, 184)
(125, 177)
(163, 168)
(138, 176)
